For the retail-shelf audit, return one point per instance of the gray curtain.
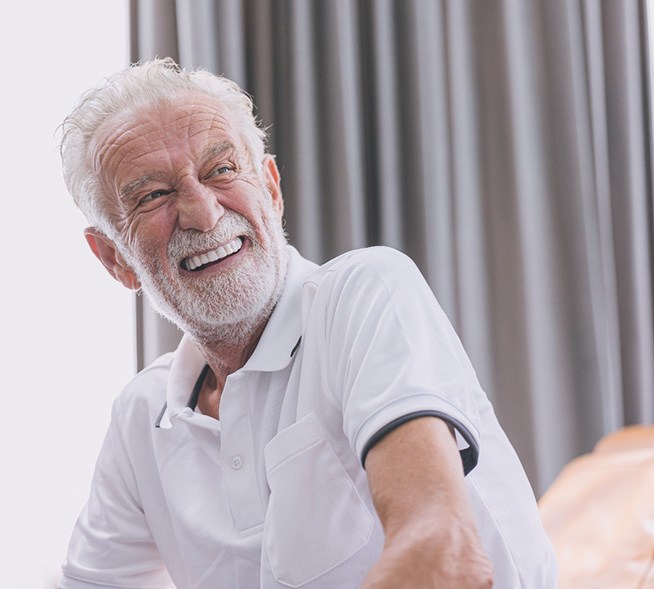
(503, 144)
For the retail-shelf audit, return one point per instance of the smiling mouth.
(201, 261)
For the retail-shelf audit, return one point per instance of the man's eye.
(220, 170)
(153, 195)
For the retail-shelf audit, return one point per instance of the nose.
(198, 207)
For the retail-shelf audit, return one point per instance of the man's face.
(199, 227)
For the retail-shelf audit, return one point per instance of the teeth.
(213, 256)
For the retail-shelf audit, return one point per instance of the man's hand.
(417, 485)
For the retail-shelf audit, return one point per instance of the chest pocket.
(316, 519)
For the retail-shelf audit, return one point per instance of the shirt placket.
(237, 456)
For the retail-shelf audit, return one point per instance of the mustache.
(187, 242)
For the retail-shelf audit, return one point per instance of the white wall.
(67, 327)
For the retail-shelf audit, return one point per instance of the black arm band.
(469, 455)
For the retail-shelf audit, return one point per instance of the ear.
(105, 250)
(273, 182)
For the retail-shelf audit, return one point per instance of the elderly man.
(318, 426)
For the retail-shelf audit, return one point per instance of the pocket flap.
(293, 439)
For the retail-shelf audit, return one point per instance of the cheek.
(148, 237)
(250, 204)
(263, 219)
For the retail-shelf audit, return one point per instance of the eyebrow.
(128, 191)
(217, 149)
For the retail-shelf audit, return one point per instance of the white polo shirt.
(274, 494)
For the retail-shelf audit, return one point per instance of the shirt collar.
(273, 351)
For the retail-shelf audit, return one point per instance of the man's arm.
(417, 484)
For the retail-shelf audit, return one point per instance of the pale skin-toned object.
(165, 170)
(598, 513)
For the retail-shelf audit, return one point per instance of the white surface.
(67, 327)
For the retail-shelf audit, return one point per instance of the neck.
(227, 348)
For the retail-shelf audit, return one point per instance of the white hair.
(151, 83)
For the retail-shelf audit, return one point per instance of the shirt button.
(236, 462)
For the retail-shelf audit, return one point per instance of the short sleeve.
(111, 545)
(393, 353)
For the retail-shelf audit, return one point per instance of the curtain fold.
(503, 145)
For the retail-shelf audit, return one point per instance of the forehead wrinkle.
(123, 143)
(211, 121)
(118, 145)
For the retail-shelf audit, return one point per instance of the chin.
(234, 303)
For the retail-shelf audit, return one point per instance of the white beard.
(231, 304)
